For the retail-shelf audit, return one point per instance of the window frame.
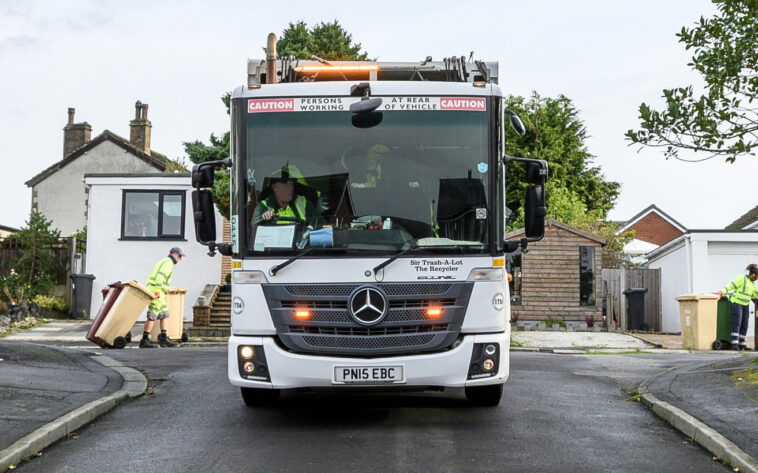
(161, 195)
(592, 299)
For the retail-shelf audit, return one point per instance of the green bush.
(51, 303)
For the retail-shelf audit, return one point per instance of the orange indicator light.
(303, 314)
(433, 313)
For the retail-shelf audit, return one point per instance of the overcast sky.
(180, 57)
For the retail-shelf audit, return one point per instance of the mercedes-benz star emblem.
(368, 305)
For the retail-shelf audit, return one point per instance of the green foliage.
(577, 193)
(723, 121)
(177, 165)
(13, 287)
(51, 303)
(81, 235)
(35, 264)
(555, 133)
(328, 41)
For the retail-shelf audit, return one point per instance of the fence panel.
(616, 281)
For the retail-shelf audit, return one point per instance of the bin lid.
(696, 297)
(636, 290)
(83, 276)
(177, 290)
(139, 287)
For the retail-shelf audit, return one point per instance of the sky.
(181, 56)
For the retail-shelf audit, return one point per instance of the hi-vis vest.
(743, 290)
(160, 278)
(288, 212)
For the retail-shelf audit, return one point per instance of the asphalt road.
(559, 414)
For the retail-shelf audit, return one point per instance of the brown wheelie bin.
(121, 308)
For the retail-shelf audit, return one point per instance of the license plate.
(368, 374)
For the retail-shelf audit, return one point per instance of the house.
(653, 225)
(132, 222)
(701, 261)
(7, 231)
(560, 277)
(58, 192)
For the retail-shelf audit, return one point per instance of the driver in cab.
(284, 203)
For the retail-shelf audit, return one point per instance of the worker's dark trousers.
(740, 319)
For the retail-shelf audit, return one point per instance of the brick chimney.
(75, 135)
(139, 136)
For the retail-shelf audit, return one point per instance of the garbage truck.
(368, 220)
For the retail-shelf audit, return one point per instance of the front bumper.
(293, 370)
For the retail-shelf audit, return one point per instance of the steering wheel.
(295, 220)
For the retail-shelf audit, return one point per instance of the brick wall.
(550, 278)
(226, 261)
(653, 228)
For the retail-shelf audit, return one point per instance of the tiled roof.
(745, 220)
(155, 159)
(651, 208)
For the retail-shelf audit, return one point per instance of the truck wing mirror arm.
(203, 207)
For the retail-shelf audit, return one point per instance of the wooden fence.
(616, 281)
(64, 254)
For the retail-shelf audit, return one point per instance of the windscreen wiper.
(299, 255)
(281, 266)
(397, 255)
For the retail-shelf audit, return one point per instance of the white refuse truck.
(367, 226)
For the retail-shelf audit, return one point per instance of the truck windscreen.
(418, 178)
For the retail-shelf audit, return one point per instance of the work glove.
(157, 294)
(720, 293)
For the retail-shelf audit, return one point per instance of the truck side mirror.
(202, 176)
(534, 213)
(536, 173)
(205, 223)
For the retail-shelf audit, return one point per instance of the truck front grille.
(331, 330)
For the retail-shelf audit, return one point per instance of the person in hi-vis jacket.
(157, 283)
(741, 291)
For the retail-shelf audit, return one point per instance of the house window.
(152, 215)
(515, 284)
(586, 276)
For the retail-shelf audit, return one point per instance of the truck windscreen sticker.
(342, 104)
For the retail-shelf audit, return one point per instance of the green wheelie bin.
(723, 325)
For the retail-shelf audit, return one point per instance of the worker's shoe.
(146, 343)
(734, 347)
(165, 341)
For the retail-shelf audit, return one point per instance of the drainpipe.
(688, 254)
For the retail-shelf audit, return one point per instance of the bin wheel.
(128, 337)
(119, 342)
(184, 337)
(717, 345)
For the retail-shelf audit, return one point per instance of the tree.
(577, 193)
(328, 41)
(35, 267)
(723, 121)
(555, 133)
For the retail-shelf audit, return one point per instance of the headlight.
(486, 274)
(247, 352)
(249, 277)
